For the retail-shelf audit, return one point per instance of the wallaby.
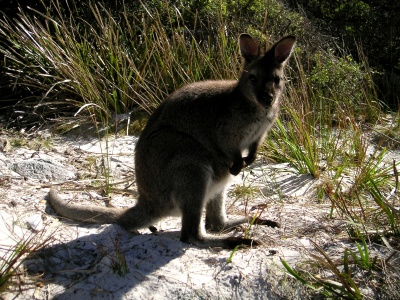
(192, 144)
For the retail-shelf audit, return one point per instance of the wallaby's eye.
(252, 78)
(277, 79)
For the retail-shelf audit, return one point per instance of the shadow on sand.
(108, 264)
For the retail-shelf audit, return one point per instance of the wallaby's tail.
(90, 214)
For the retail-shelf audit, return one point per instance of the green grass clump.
(126, 59)
(106, 66)
(341, 286)
(16, 254)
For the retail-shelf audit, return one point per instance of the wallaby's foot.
(269, 223)
(229, 225)
(225, 243)
(153, 228)
(234, 242)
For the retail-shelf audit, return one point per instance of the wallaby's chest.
(256, 125)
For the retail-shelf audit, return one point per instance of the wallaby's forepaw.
(269, 223)
(248, 160)
(236, 167)
(241, 163)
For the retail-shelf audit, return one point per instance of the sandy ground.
(105, 262)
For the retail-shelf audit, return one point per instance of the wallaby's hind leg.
(192, 231)
(216, 214)
(217, 221)
(190, 191)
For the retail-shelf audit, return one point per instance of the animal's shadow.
(107, 264)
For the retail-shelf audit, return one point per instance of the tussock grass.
(15, 255)
(106, 66)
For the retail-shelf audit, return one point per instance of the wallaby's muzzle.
(268, 99)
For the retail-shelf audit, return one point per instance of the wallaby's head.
(262, 77)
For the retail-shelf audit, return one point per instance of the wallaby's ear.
(284, 48)
(249, 49)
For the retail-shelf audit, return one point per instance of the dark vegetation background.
(367, 30)
(370, 25)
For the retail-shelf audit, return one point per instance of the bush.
(345, 84)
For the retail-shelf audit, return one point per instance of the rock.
(35, 222)
(41, 169)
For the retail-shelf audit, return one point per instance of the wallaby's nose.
(267, 99)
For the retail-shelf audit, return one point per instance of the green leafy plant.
(129, 58)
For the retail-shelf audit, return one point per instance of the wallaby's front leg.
(189, 190)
